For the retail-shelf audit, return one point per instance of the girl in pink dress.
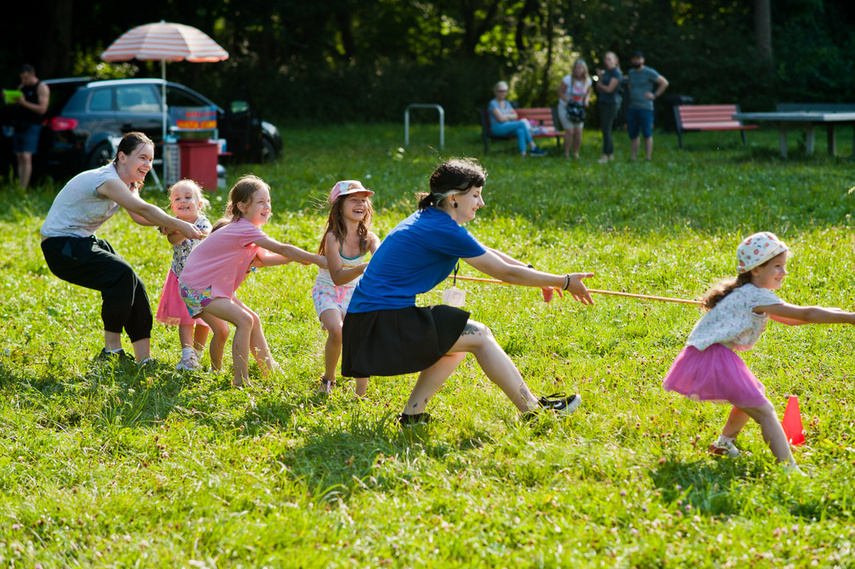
(217, 267)
(708, 369)
(346, 241)
(188, 204)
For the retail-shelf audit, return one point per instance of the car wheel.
(102, 155)
(267, 152)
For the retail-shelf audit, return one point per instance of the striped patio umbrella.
(164, 41)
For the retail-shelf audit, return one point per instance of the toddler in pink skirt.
(188, 204)
(708, 369)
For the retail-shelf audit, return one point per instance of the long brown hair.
(724, 288)
(337, 226)
(241, 193)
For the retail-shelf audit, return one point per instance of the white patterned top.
(732, 321)
(182, 249)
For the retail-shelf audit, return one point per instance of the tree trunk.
(763, 30)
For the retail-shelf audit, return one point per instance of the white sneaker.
(723, 449)
(187, 363)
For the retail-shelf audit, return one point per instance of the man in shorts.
(28, 121)
(645, 86)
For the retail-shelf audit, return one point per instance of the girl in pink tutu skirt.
(707, 369)
(188, 204)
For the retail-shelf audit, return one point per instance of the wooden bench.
(695, 118)
(545, 118)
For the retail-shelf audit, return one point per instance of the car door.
(138, 110)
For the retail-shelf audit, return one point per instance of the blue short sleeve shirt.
(415, 257)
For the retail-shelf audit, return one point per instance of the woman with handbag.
(574, 95)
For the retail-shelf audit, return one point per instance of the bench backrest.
(542, 116)
(815, 107)
(701, 116)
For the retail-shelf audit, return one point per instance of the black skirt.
(395, 342)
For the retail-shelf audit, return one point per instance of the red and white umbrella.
(165, 41)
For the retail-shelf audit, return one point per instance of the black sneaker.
(537, 151)
(558, 403)
(119, 356)
(413, 420)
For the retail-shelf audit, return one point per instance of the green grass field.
(112, 467)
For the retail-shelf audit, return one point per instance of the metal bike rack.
(424, 106)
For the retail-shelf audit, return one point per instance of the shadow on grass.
(707, 487)
(376, 454)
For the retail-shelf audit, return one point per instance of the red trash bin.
(199, 162)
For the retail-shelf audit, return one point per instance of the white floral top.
(732, 321)
(181, 250)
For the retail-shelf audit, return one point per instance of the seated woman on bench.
(504, 121)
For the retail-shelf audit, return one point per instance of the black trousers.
(608, 112)
(93, 263)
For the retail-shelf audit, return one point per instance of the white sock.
(724, 439)
(186, 352)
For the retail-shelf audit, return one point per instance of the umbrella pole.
(163, 106)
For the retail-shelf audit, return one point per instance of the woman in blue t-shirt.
(385, 333)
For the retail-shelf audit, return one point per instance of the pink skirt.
(716, 374)
(171, 309)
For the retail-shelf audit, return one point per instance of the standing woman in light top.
(574, 96)
(74, 253)
(385, 333)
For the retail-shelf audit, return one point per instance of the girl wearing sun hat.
(738, 310)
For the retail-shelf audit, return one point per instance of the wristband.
(566, 282)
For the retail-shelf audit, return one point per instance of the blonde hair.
(241, 193)
(584, 66)
(617, 59)
(500, 85)
(201, 200)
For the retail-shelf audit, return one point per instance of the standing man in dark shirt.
(645, 86)
(28, 121)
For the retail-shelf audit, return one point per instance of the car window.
(137, 99)
(181, 98)
(101, 100)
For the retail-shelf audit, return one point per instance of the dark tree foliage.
(365, 60)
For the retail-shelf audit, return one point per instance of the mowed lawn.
(112, 467)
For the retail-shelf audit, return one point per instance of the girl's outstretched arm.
(341, 276)
(273, 252)
(794, 315)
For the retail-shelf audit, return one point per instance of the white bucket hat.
(757, 249)
(348, 187)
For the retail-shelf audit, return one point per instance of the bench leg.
(832, 139)
(744, 141)
(680, 137)
(809, 139)
(782, 139)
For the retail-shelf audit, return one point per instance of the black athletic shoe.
(119, 356)
(413, 420)
(558, 403)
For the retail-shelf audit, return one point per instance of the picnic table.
(807, 119)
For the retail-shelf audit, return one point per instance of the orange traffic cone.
(792, 422)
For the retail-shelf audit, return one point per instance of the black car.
(84, 115)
